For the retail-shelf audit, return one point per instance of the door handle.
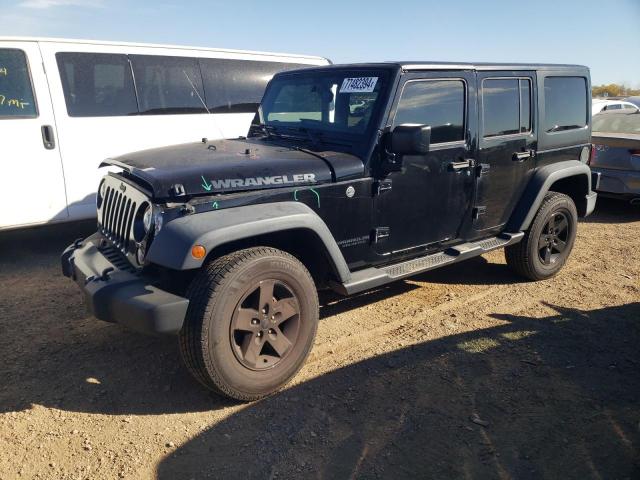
(48, 139)
(461, 165)
(522, 156)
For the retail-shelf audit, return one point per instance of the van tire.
(537, 256)
(231, 342)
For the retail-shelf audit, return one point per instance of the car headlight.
(152, 219)
(147, 218)
(102, 192)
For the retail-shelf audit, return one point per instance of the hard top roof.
(410, 66)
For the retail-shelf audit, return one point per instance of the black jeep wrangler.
(351, 177)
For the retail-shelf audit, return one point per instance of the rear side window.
(438, 103)
(565, 103)
(168, 85)
(97, 84)
(237, 86)
(506, 106)
(16, 92)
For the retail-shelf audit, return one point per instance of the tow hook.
(104, 276)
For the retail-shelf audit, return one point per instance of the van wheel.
(251, 322)
(548, 242)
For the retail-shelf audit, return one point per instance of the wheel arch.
(289, 226)
(572, 178)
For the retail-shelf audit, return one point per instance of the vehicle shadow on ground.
(553, 397)
(55, 354)
(612, 210)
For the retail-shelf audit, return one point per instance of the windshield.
(618, 123)
(334, 101)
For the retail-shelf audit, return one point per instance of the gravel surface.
(464, 372)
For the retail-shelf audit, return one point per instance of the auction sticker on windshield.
(358, 85)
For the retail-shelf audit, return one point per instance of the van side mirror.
(410, 139)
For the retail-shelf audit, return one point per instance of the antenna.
(195, 90)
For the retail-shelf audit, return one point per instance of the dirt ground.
(464, 372)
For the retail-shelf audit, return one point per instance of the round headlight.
(103, 189)
(102, 192)
(147, 219)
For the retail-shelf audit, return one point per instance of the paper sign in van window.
(358, 85)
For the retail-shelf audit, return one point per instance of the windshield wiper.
(314, 137)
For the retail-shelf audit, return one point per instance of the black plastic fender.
(540, 184)
(172, 246)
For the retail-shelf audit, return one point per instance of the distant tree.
(613, 90)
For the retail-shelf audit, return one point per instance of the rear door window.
(97, 84)
(168, 85)
(565, 103)
(438, 103)
(506, 106)
(16, 91)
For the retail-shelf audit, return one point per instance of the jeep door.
(507, 145)
(33, 189)
(431, 195)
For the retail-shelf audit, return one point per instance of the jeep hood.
(207, 168)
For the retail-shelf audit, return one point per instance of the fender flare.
(540, 184)
(172, 246)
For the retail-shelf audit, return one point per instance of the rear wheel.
(251, 322)
(548, 242)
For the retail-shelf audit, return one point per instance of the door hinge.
(380, 234)
(382, 186)
(482, 169)
(477, 211)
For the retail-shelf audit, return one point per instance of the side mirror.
(410, 139)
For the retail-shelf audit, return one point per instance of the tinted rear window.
(438, 103)
(97, 84)
(16, 94)
(168, 84)
(565, 103)
(237, 86)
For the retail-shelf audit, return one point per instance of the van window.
(237, 86)
(168, 85)
(565, 103)
(438, 103)
(97, 84)
(16, 92)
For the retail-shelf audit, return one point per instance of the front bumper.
(120, 296)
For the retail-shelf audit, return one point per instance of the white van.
(66, 105)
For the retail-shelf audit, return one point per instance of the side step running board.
(375, 277)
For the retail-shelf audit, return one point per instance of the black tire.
(225, 299)
(543, 251)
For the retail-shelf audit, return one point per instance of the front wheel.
(548, 242)
(251, 322)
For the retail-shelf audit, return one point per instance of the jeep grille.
(117, 212)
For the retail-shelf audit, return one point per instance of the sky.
(604, 35)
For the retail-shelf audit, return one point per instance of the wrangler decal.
(257, 181)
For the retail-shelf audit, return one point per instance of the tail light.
(592, 156)
(635, 152)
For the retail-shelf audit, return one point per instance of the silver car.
(616, 153)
